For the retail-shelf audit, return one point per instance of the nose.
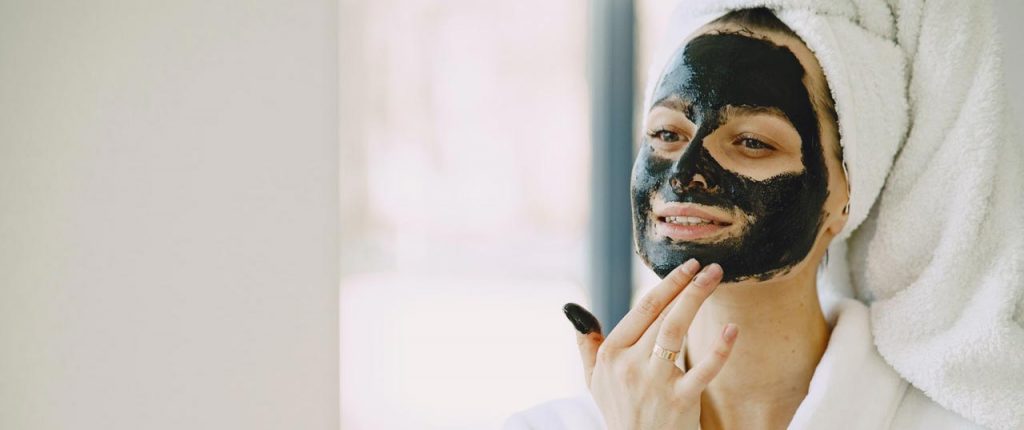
(692, 170)
(697, 180)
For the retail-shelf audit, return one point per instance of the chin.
(662, 255)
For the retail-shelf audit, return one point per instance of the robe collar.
(852, 385)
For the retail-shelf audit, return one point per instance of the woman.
(738, 189)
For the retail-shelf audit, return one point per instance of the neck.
(782, 336)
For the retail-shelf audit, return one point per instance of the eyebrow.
(725, 113)
(746, 110)
(677, 104)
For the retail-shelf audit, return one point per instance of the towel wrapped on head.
(934, 242)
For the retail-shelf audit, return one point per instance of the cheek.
(757, 169)
(649, 173)
(649, 167)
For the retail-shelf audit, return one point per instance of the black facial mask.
(786, 211)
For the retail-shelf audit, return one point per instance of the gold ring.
(664, 353)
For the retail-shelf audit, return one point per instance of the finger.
(693, 383)
(677, 323)
(588, 336)
(651, 305)
(682, 309)
(589, 344)
(647, 339)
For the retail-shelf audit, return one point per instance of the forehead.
(719, 68)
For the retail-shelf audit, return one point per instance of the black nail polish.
(584, 321)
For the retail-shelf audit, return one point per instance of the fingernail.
(729, 332)
(691, 265)
(702, 276)
(581, 319)
(706, 274)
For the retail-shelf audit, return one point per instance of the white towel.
(938, 253)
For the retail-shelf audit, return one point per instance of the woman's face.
(737, 166)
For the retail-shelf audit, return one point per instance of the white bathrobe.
(852, 389)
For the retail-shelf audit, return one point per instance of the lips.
(687, 222)
(685, 211)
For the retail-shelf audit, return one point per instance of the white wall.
(168, 215)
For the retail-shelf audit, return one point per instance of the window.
(465, 173)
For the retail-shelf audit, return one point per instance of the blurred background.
(467, 184)
(303, 215)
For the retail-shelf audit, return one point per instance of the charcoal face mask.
(711, 72)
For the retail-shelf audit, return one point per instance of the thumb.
(588, 335)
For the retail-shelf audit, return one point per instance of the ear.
(836, 220)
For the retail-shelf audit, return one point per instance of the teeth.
(686, 220)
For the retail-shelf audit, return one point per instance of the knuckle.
(679, 277)
(647, 307)
(721, 353)
(671, 331)
(694, 297)
(696, 291)
(703, 377)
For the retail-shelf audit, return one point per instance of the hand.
(635, 389)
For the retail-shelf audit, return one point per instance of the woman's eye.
(754, 144)
(664, 135)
